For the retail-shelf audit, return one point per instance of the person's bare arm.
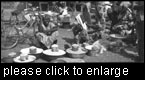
(51, 28)
(43, 26)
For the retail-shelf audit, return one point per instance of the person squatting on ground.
(82, 25)
(48, 32)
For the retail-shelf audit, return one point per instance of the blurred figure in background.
(88, 4)
(20, 7)
(140, 29)
(86, 14)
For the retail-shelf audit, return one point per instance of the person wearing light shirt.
(47, 32)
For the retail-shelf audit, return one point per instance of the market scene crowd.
(97, 27)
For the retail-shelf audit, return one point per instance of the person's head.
(63, 4)
(30, 4)
(109, 10)
(116, 3)
(54, 3)
(46, 20)
(85, 9)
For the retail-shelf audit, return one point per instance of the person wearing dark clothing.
(118, 14)
(113, 16)
(86, 15)
(77, 32)
(140, 30)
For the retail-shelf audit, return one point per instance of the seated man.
(48, 32)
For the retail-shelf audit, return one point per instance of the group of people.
(116, 12)
(127, 18)
(132, 13)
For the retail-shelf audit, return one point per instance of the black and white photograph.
(72, 32)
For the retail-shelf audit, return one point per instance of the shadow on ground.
(69, 40)
(126, 55)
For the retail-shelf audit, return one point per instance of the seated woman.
(47, 32)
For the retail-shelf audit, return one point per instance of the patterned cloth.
(99, 47)
(47, 40)
(47, 34)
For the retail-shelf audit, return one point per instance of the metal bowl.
(48, 57)
(80, 53)
(77, 55)
(91, 53)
